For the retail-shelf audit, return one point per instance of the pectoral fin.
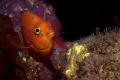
(59, 44)
(9, 38)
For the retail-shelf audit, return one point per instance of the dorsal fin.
(39, 12)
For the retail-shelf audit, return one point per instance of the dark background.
(81, 17)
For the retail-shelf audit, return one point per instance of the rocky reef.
(95, 57)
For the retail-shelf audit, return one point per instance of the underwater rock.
(6, 28)
(8, 53)
(6, 25)
(3, 66)
(95, 57)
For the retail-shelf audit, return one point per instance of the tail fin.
(48, 63)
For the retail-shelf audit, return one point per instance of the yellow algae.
(10, 15)
(85, 55)
(69, 51)
(59, 66)
(77, 48)
(76, 53)
(81, 49)
(101, 68)
(116, 58)
(31, 2)
(68, 73)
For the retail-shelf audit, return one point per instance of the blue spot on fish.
(31, 17)
(30, 36)
(29, 26)
(47, 28)
(36, 35)
(42, 25)
(40, 35)
(33, 26)
(34, 18)
(28, 42)
(42, 31)
(24, 31)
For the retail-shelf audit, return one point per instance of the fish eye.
(37, 30)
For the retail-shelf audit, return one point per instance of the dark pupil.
(37, 30)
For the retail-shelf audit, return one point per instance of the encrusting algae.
(95, 57)
(72, 55)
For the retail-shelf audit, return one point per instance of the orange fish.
(40, 38)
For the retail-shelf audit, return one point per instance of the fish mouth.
(50, 36)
